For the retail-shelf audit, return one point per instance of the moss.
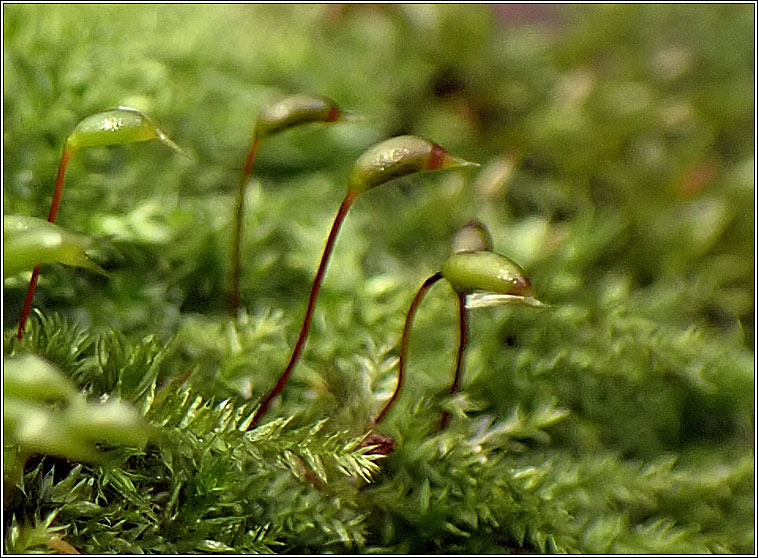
(617, 155)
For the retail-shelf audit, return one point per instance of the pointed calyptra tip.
(472, 237)
(168, 142)
(447, 160)
(160, 135)
(399, 156)
(351, 116)
(486, 272)
(294, 110)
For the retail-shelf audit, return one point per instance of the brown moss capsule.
(293, 111)
(399, 156)
(274, 118)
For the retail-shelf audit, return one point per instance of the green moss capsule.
(399, 156)
(30, 378)
(469, 272)
(29, 242)
(114, 127)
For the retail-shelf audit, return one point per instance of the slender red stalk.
(340, 217)
(65, 158)
(57, 193)
(28, 302)
(462, 339)
(239, 210)
(250, 160)
(404, 342)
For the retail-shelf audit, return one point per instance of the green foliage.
(617, 155)
(43, 413)
(201, 468)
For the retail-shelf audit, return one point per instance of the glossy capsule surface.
(111, 127)
(399, 156)
(295, 110)
(470, 272)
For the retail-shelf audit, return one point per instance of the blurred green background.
(616, 143)
(617, 151)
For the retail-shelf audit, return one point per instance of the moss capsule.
(399, 156)
(116, 126)
(274, 118)
(29, 242)
(469, 272)
(293, 111)
(472, 237)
